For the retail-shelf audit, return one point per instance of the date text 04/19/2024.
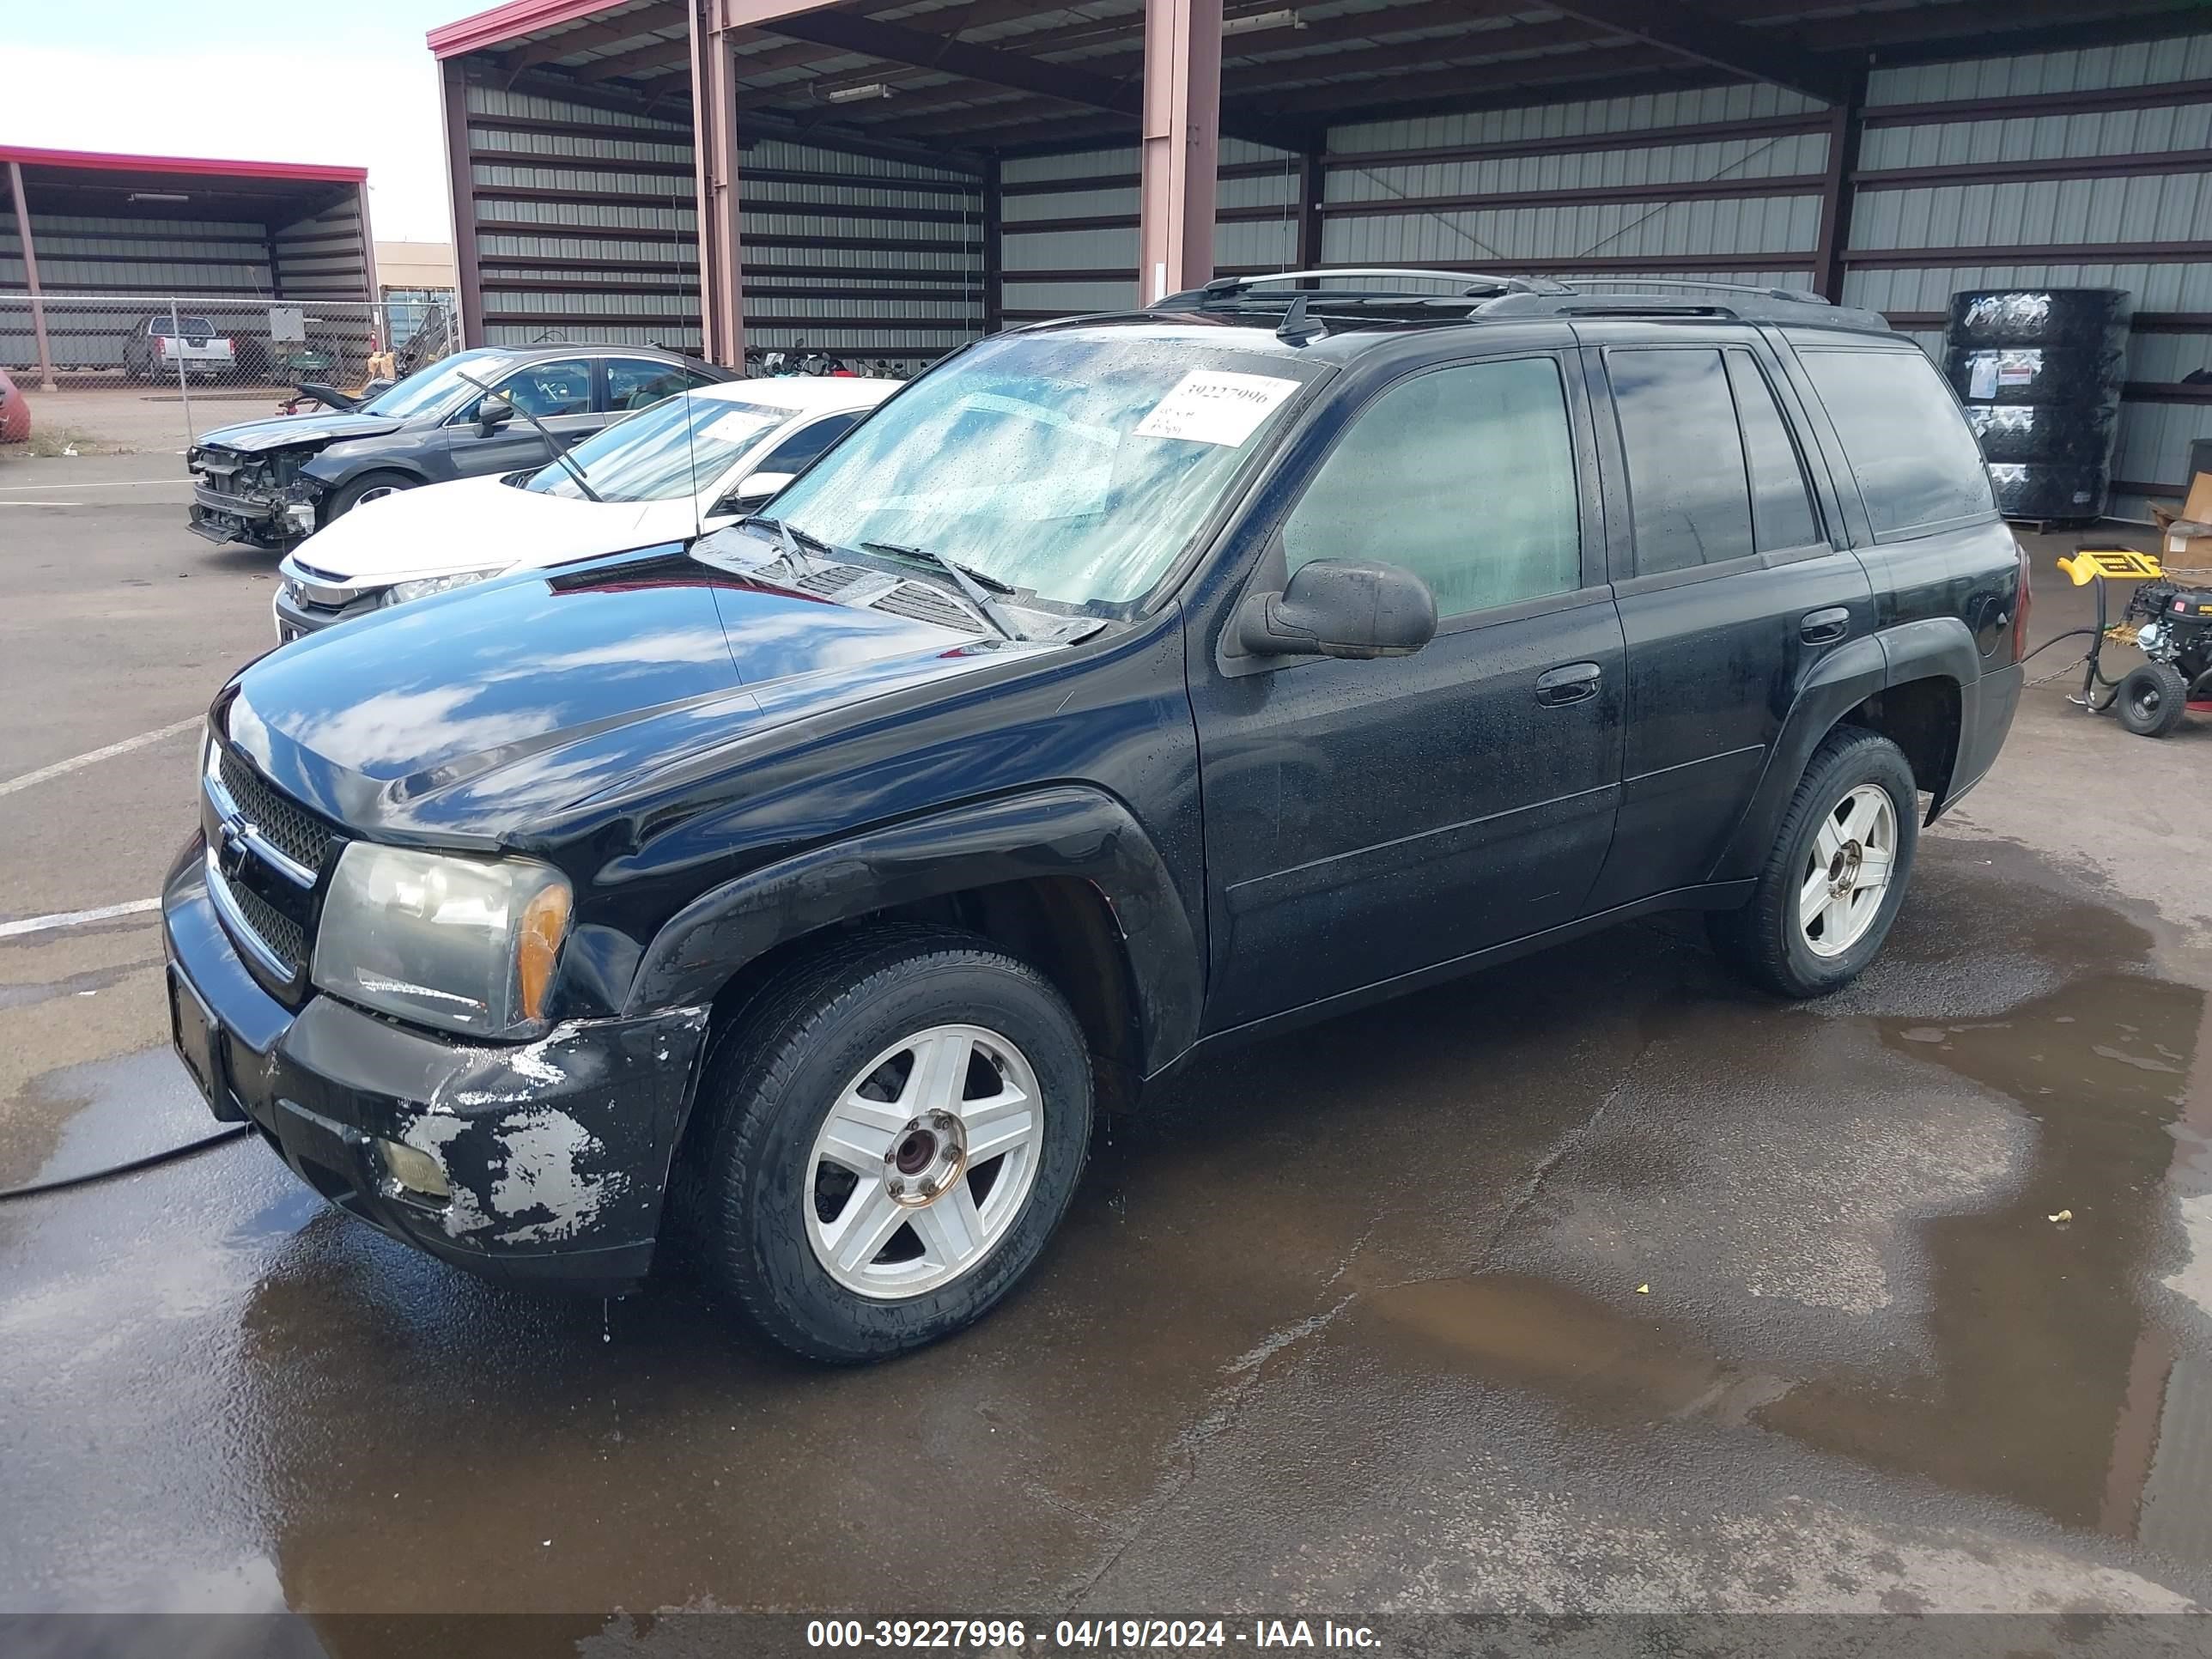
(1087, 1634)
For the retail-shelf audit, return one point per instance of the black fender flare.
(1064, 831)
(1934, 647)
(1842, 680)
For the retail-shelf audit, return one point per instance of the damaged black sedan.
(269, 482)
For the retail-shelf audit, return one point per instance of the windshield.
(184, 325)
(1078, 468)
(677, 446)
(432, 387)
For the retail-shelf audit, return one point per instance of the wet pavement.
(1594, 1283)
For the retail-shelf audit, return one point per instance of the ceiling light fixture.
(855, 95)
(1283, 19)
(158, 196)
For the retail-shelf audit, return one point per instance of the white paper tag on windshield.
(1214, 406)
(735, 426)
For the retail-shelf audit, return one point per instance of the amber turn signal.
(544, 924)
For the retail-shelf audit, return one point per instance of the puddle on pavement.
(109, 1112)
(2054, 1386)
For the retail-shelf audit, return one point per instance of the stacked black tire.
(2040, 373)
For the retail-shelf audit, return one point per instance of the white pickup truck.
(155, 349)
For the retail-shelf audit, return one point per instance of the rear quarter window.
(1915, 459)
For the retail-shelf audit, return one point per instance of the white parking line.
(76, 762)
(118, 483)
(45, 504)
(75, 918)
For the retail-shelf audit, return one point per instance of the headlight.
(400, 593)
(469, 945)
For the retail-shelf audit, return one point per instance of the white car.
(688, 463)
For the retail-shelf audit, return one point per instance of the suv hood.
(475, 716)
(479, 524)
(281, 431)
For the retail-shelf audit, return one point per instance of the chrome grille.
(285, 936)
(289, 828)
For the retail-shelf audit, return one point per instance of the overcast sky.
(347, 82)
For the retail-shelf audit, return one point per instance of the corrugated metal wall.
(137, 256)
(586, 228)
(2088, 172)
(861, 257)
(144, 261)
(1725, 182)
(584, 222)
(1068, 226)
(323, 256)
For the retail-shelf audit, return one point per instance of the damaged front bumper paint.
(557, 1152)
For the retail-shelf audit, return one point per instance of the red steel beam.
(31, 276)
(461, 183)
(715, 148)
(1181, 145)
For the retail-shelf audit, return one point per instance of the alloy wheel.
(923, 1164)
(1847, 871)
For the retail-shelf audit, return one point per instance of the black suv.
(1122, 688)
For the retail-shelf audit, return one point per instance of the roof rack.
(1504, 297)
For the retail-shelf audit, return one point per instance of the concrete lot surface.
(1593, 1282)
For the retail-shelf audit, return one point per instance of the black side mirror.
(493, 413)
(1353, 608)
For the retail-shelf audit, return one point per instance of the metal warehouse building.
(85, 225)
(890, 181)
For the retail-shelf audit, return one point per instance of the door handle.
(1824, 627)
(1574, 681)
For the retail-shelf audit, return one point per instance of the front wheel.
(372, 487)
(1832, 885)
(894, 1133)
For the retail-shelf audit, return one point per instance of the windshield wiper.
(792, 540)
(559, 453)
(972, 583)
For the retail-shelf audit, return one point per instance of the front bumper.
(262, 518)
(557, 1152)
(295, 615)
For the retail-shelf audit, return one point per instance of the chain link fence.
(209, 361)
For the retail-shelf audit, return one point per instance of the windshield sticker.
(735, 426)
(1215, 406)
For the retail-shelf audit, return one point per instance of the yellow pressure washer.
(2170, 623)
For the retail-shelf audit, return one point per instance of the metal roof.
(1010, 77)
(87, 183)
(85, 161)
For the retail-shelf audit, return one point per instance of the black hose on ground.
(132, 1167)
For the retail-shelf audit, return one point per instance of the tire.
(367, 487)
(778, 1206)
(2152, 700)
(2055, 316)
(1769, 941)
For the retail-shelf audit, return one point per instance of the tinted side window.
(550, 389)
(800, 448)
(1916, 461)
(636, 382)
(1781, 507)
(1465, 476)
(1687, 493)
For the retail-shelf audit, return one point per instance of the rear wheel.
(2152, 700)
(894, 1134)
(1832, 885)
